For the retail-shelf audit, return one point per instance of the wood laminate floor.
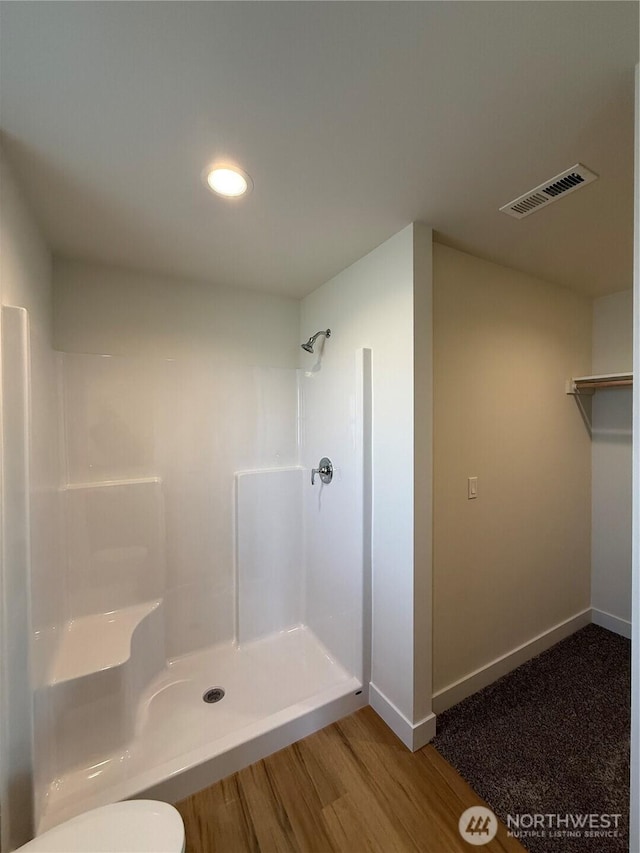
(350, 788)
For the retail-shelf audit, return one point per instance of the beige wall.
(516, 561)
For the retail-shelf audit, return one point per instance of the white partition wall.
(611, 466)
(374, 305)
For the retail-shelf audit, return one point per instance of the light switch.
(472, 488)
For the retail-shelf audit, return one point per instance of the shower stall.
(214, 596)
(208, 547)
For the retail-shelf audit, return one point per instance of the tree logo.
(478, 825)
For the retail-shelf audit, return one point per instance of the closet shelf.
(591, 384)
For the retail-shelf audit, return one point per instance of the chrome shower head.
(308, 347)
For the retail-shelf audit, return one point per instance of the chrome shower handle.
(325, 469)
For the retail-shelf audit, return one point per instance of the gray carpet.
(551, 737)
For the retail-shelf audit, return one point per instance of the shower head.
(308, 347)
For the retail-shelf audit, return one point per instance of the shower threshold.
(276, 690)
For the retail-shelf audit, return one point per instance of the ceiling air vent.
(563, 184)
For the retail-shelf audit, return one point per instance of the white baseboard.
(611, 623)
(412, 735)
(470, 684)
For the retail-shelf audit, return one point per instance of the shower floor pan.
(277, 690)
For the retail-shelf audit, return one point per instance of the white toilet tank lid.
(134, 826)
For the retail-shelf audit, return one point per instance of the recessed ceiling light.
(228, 181)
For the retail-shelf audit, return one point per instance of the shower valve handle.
(325, 469)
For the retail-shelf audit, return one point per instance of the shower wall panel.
(192, 424)
(25, 282)
(115, 545)
(17, 719)
(270, 552)
(334, 401)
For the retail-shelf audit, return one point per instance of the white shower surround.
(278, 689)
(252, 420)
(128, 719)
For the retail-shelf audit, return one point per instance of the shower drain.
(213, 694)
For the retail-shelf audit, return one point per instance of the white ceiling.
(353, 120)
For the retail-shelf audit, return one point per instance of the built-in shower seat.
(104, 663)
(94, 643)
